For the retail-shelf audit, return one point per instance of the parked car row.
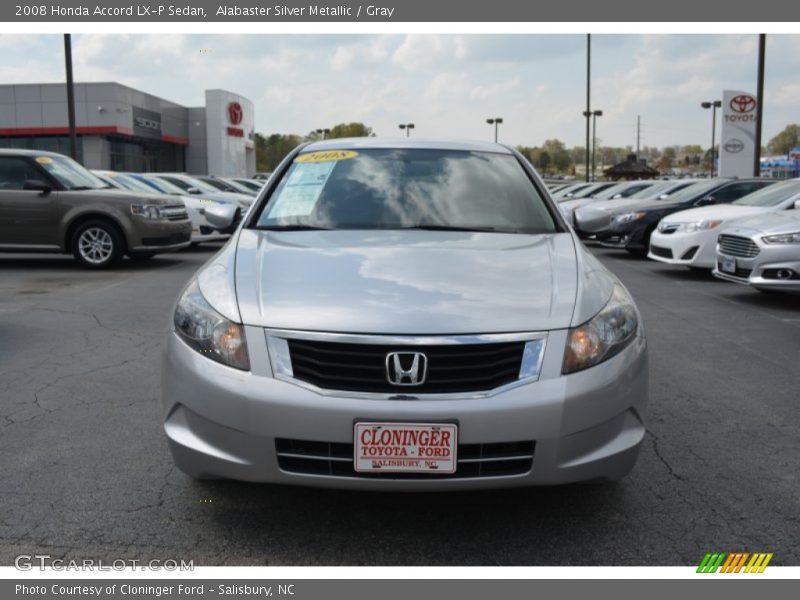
(50, 203)
(742, 230)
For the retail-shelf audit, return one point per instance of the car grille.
(662, 252)
(174, 212)
(740, 272)
(451, 368)
(473, 460)
(738, 246)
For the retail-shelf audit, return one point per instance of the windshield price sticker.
(405, 447)
(325, 156)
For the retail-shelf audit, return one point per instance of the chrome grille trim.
(282, 368)
(174, 212)
(735, 245)
(503, 459)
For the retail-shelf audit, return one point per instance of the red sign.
(235, 132)
(743, 103)
(235, 113)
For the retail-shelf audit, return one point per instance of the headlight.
(604, 335)
(208, 332)
(146, 211)
(699, 225)
(783, 238)
(628, 217)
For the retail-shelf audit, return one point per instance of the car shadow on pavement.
(456, 528)
(790, 303)
(67, 263)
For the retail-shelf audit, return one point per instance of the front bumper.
(695, 249)
(160, 236)
(624, 235)
(221, 422)
(760, 271)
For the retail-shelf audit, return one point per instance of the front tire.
(97, 244)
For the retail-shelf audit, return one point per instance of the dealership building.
(124, 129)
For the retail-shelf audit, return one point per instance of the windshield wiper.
(434, 227)
(81, 188)
(292, 228)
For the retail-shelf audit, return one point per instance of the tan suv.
(50, 203)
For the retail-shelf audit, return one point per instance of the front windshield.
(252, 185)
(771, 195)
(130, 183)
(407, 188)
(187, 183)
(693, 191)
(650, 190)
(609, 193)
(163, 186)
(71, 174)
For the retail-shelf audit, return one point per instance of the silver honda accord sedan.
(405, 315)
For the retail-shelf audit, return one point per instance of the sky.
(447, 85)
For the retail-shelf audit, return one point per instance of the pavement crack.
(661, 458)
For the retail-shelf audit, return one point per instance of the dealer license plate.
(728, 264)
(405, 447)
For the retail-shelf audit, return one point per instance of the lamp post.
(713, 106)
(408, 127)
(595, 114)
(496, 121)
(73, 139)
(587, 112)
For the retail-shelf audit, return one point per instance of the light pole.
(762, 48)
(595, 114)
(323, 132)
(73, 140)
(408, 127)
(587, 112)
(496, 121)
(713, 106)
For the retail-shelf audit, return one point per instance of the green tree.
(354, 129)
(786, 140)
(271, 149)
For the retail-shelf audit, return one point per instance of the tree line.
(552, 157)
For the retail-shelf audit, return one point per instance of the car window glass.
(770, 195)
(72, 175)
(397, 188)
(15, 171)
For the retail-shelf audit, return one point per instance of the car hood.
(724, 212)
(406, 282)
(241, 199)
(124, 196)
(784, 221)
(597, 216)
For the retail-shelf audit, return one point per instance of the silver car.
(405, 315)
(762, 251)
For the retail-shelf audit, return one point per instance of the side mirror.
(706, 201)
(194, 190)
(36, 185)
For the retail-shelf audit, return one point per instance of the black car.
(631, 227)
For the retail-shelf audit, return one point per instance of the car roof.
(22, 152)
(367, 143)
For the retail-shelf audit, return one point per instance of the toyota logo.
(235, 113)
(406, 368)
(734, 146)
(743, 103)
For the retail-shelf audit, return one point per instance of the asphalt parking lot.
(87, 474)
